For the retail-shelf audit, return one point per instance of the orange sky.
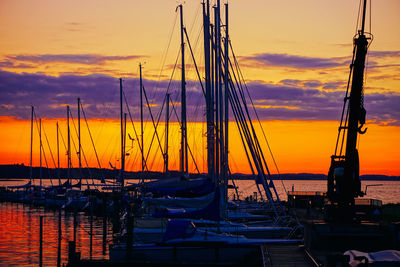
(295, 146)
(50, 39)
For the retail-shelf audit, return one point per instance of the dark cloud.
(288, 100)
(13, 65)
(294, 61)
(89, 59)
(302, 62)
(99, 94)
(334, 85)
(284, 102)
(291, 82)
(312, 83)
(382, 54)
(307, 84)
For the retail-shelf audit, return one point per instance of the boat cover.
(178, 228)
(210, 212)
(388, 256)
(195, 202)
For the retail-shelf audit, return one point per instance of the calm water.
(19, 235)
(387, 191)
(19, 223)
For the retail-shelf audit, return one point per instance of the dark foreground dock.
(272, 255)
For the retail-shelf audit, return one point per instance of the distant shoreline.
(17, 171)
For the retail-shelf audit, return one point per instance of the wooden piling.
(41, 242)
(104, 224)
(91, 233)
(59, 240)
(75, 226)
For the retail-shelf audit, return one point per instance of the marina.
(183, 205)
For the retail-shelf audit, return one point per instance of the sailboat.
(197, 209)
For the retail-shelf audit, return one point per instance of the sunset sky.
(294, 55)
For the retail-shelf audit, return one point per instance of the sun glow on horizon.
(294, 144)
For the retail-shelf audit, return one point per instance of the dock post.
(41, 242)
(104, 224)
(71, 252)
(91, 232)
(59, 240)
(75, 225)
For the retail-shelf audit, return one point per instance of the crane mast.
(343, 178)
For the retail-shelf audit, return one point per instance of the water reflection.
(19, 235)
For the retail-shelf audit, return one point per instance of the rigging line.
(194, 61)
(346, 104)
(258, 146)
(173, 71)
(83, 152)
(243, 130)
(258, 118)
(74, 146)
(166, 52)
(42, 149)
(345, 132)
(188, 146)
(158, 121)
(134, 129)
(240, 126)
(48, 144)
(62, 139)
(346, 97)
(169, 84)
(254, 144)
(81, 149)
(370, 17)
(87, 164)
(358, 16)
(152, 119)
(91, 139)
(152, 138)
(196, 17)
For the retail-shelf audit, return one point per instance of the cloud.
(294, 61)
(288, 100)
(383, 54)
(88, 59)
(99, 93)
(13, 65)
(303, 62)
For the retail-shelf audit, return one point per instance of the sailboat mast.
(209, 104)
(122, 133)
(30, 158)
(68, 148)
(216, 93)
(141, 116)
(58, 154)
(184, 159)
(226, 94)
(166, 133)
(220, 97)
(212, 97)
(40, 151)
(79, 142)
(124, 151)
